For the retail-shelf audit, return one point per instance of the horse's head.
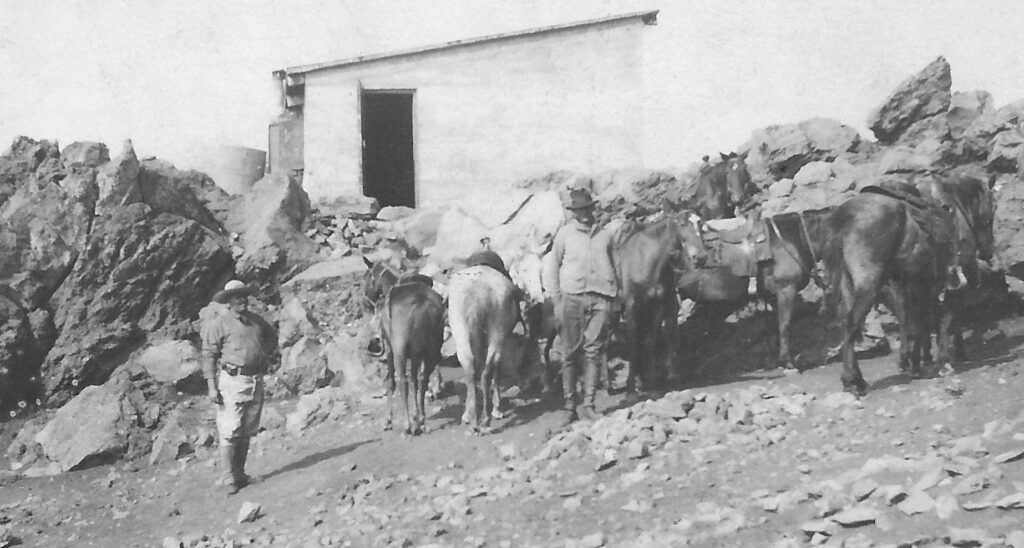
(737, 178)
(377, 280)
(688, 227)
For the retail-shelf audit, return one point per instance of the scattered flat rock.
(1009, 456)
(250, 511)
(856, 516)
(1011, 502)
(968, 537)
(971, 484)
(946, 505)
(862, 489)
(916, 502)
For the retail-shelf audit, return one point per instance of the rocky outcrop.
(102, 423)
(189, 194)
(916, 98)
(118, 182)
(174, 363)
(141, 273)
(271, 221)
(1009, 223)
(86, 154)
(185, 429)
(780, 151)
(20, 354)
(42, 230)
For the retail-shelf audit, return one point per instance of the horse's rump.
(482, 308)
(413, 321)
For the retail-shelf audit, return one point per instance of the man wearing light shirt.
(584, 291)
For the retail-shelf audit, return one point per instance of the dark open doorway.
(388, 171)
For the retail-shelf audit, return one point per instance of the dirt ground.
(348, 483)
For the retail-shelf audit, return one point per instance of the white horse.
(482, 311)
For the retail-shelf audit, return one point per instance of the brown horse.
(972, 206)
(645, 258)
(412, 329)
(722, 188)
(877, 238)
(796, 243)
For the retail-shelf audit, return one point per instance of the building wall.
(488, 115)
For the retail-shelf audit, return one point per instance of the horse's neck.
(815, 229)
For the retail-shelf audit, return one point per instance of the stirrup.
(375, 348)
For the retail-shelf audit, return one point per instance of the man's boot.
(227, 462)
(587, 410)
(568, 415)
(241, 451)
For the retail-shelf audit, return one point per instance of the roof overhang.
(294, 74)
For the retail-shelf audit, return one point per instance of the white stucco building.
(462, 120)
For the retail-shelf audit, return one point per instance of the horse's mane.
(632, 227)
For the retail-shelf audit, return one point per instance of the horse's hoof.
(388, 426)
(498, 414)
(790, 370)
(858, 389)
(946, 370)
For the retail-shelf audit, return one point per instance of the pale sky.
(173, 76)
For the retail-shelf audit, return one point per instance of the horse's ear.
(369, 263)
(744, 155)
(723, 155)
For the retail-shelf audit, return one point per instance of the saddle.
(489, 259)
(936, 223)
(740, 244)
(415, 278)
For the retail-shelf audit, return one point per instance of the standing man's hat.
(234, 288)
(580, 198)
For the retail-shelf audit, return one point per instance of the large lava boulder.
(916, 98)
(103, 423)
(141, 273)
(189, 194)
(118, 182)
(42, 228)
(780, 151)
(271, 221)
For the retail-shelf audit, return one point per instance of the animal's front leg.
(389, 382)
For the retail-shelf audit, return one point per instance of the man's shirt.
(583, 255)
(238, 340)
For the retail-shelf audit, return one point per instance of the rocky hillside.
(106, 263)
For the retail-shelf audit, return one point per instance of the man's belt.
(235, 370)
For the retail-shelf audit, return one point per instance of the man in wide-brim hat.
(237, 346)
(584, 292)
(234, 288)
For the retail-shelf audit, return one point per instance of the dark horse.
(412, 329)
(644, 259)
(877, 238)
(721, 188)
(796, 242)
(972, 205)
